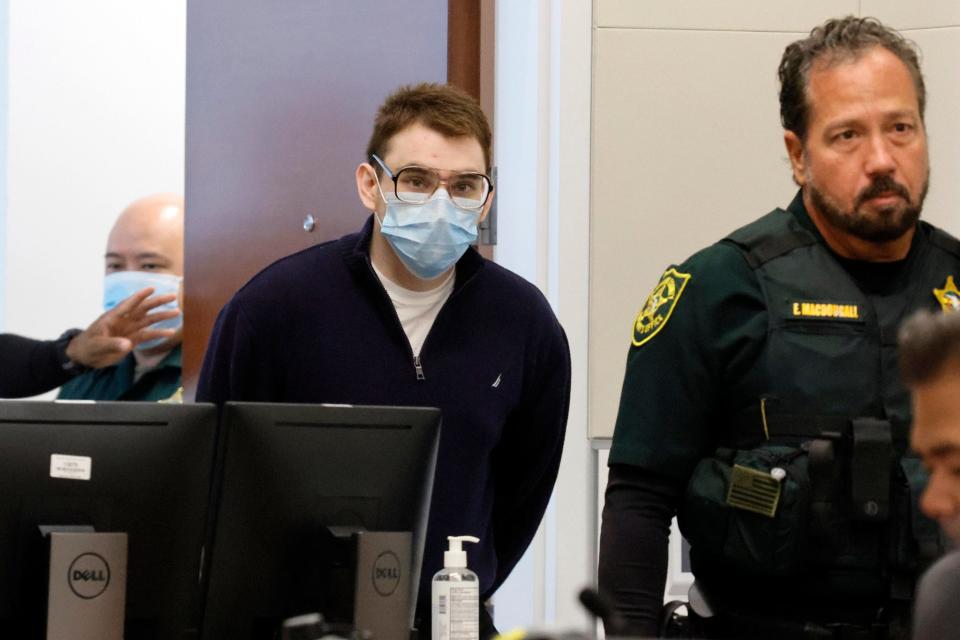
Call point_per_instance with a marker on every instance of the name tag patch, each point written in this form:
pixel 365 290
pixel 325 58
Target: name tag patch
pixel 815 310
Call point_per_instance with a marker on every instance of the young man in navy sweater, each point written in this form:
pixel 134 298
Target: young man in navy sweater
pixel 406 312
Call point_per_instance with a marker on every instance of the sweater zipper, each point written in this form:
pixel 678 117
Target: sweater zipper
pixel 417 363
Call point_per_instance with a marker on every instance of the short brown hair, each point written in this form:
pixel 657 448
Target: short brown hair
pixel 444 108
pixel 928 342
pixel 838 40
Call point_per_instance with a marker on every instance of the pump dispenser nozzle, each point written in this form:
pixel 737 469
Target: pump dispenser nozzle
pixel 455 556
pixel 455 595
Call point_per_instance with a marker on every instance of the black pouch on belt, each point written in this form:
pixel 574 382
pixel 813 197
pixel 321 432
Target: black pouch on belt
pixel 870 469
pixel 825 477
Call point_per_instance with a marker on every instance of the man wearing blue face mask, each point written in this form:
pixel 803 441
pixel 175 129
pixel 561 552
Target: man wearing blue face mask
pixel 406 312
pixel 144 249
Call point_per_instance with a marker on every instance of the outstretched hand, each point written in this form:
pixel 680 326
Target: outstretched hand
pixel 114 334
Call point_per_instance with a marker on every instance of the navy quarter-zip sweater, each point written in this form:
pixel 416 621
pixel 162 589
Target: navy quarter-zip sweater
pixel 317 326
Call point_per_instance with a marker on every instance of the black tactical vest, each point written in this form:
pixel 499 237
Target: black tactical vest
pixel 813 485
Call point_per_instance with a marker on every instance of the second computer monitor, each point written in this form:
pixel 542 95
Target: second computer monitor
pixel 290 472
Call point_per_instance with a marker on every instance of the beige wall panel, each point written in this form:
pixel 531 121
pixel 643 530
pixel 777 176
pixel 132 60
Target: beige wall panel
pixel 910 15
pixel 741 15
pixel 941 54
pixel 687 146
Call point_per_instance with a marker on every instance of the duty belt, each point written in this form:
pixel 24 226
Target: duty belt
pixel 869 444
pixel 759 423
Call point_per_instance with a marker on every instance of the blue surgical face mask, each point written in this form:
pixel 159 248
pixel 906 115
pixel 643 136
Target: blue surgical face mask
pixel 119 286
pixel 428 238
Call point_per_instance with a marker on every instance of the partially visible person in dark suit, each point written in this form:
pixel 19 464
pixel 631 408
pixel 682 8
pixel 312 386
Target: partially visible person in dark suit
pixel 930 361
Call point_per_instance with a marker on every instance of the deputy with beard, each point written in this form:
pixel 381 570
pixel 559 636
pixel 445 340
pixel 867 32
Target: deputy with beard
pixel 762 402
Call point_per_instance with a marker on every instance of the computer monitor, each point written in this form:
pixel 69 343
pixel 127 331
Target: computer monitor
pixel 290 472
pixel 149 475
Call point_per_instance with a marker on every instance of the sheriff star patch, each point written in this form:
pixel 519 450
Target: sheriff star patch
pixel 659 306
pixel 949 296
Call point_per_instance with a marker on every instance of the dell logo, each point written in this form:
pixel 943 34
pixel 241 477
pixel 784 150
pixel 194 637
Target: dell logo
pixel 386 573
pixel 389 573
pixel 88 576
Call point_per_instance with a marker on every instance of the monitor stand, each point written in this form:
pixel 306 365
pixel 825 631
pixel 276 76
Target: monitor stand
pixel 384 584
pixel 87 586
pixel 366 584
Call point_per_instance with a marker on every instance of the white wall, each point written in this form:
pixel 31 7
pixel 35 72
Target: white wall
pixel 542 146
pixel 95 94
pixel 4 39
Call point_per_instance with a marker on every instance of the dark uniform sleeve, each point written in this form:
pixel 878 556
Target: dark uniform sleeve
pixel 636 527
pixel 236 363
pixel 528 456
pixel 672 397
pixel 29 367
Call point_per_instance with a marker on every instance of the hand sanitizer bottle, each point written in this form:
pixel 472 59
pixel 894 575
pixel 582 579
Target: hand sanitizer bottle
pixel 456 595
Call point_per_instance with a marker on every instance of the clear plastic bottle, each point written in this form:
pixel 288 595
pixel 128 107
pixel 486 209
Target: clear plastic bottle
pixel 455 595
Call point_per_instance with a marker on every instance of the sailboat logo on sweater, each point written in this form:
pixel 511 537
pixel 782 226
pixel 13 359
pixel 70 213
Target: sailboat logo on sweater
pixel 496 383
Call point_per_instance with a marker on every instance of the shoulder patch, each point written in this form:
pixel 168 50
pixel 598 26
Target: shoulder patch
pixel 659 306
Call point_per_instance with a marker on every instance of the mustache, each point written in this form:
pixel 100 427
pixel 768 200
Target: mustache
pixel 883 185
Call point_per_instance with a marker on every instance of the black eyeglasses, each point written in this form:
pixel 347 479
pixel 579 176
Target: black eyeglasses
pixel 416 185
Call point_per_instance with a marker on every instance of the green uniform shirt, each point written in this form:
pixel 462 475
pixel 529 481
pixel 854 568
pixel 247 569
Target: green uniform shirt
pixel 695 359
pixel 116 382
